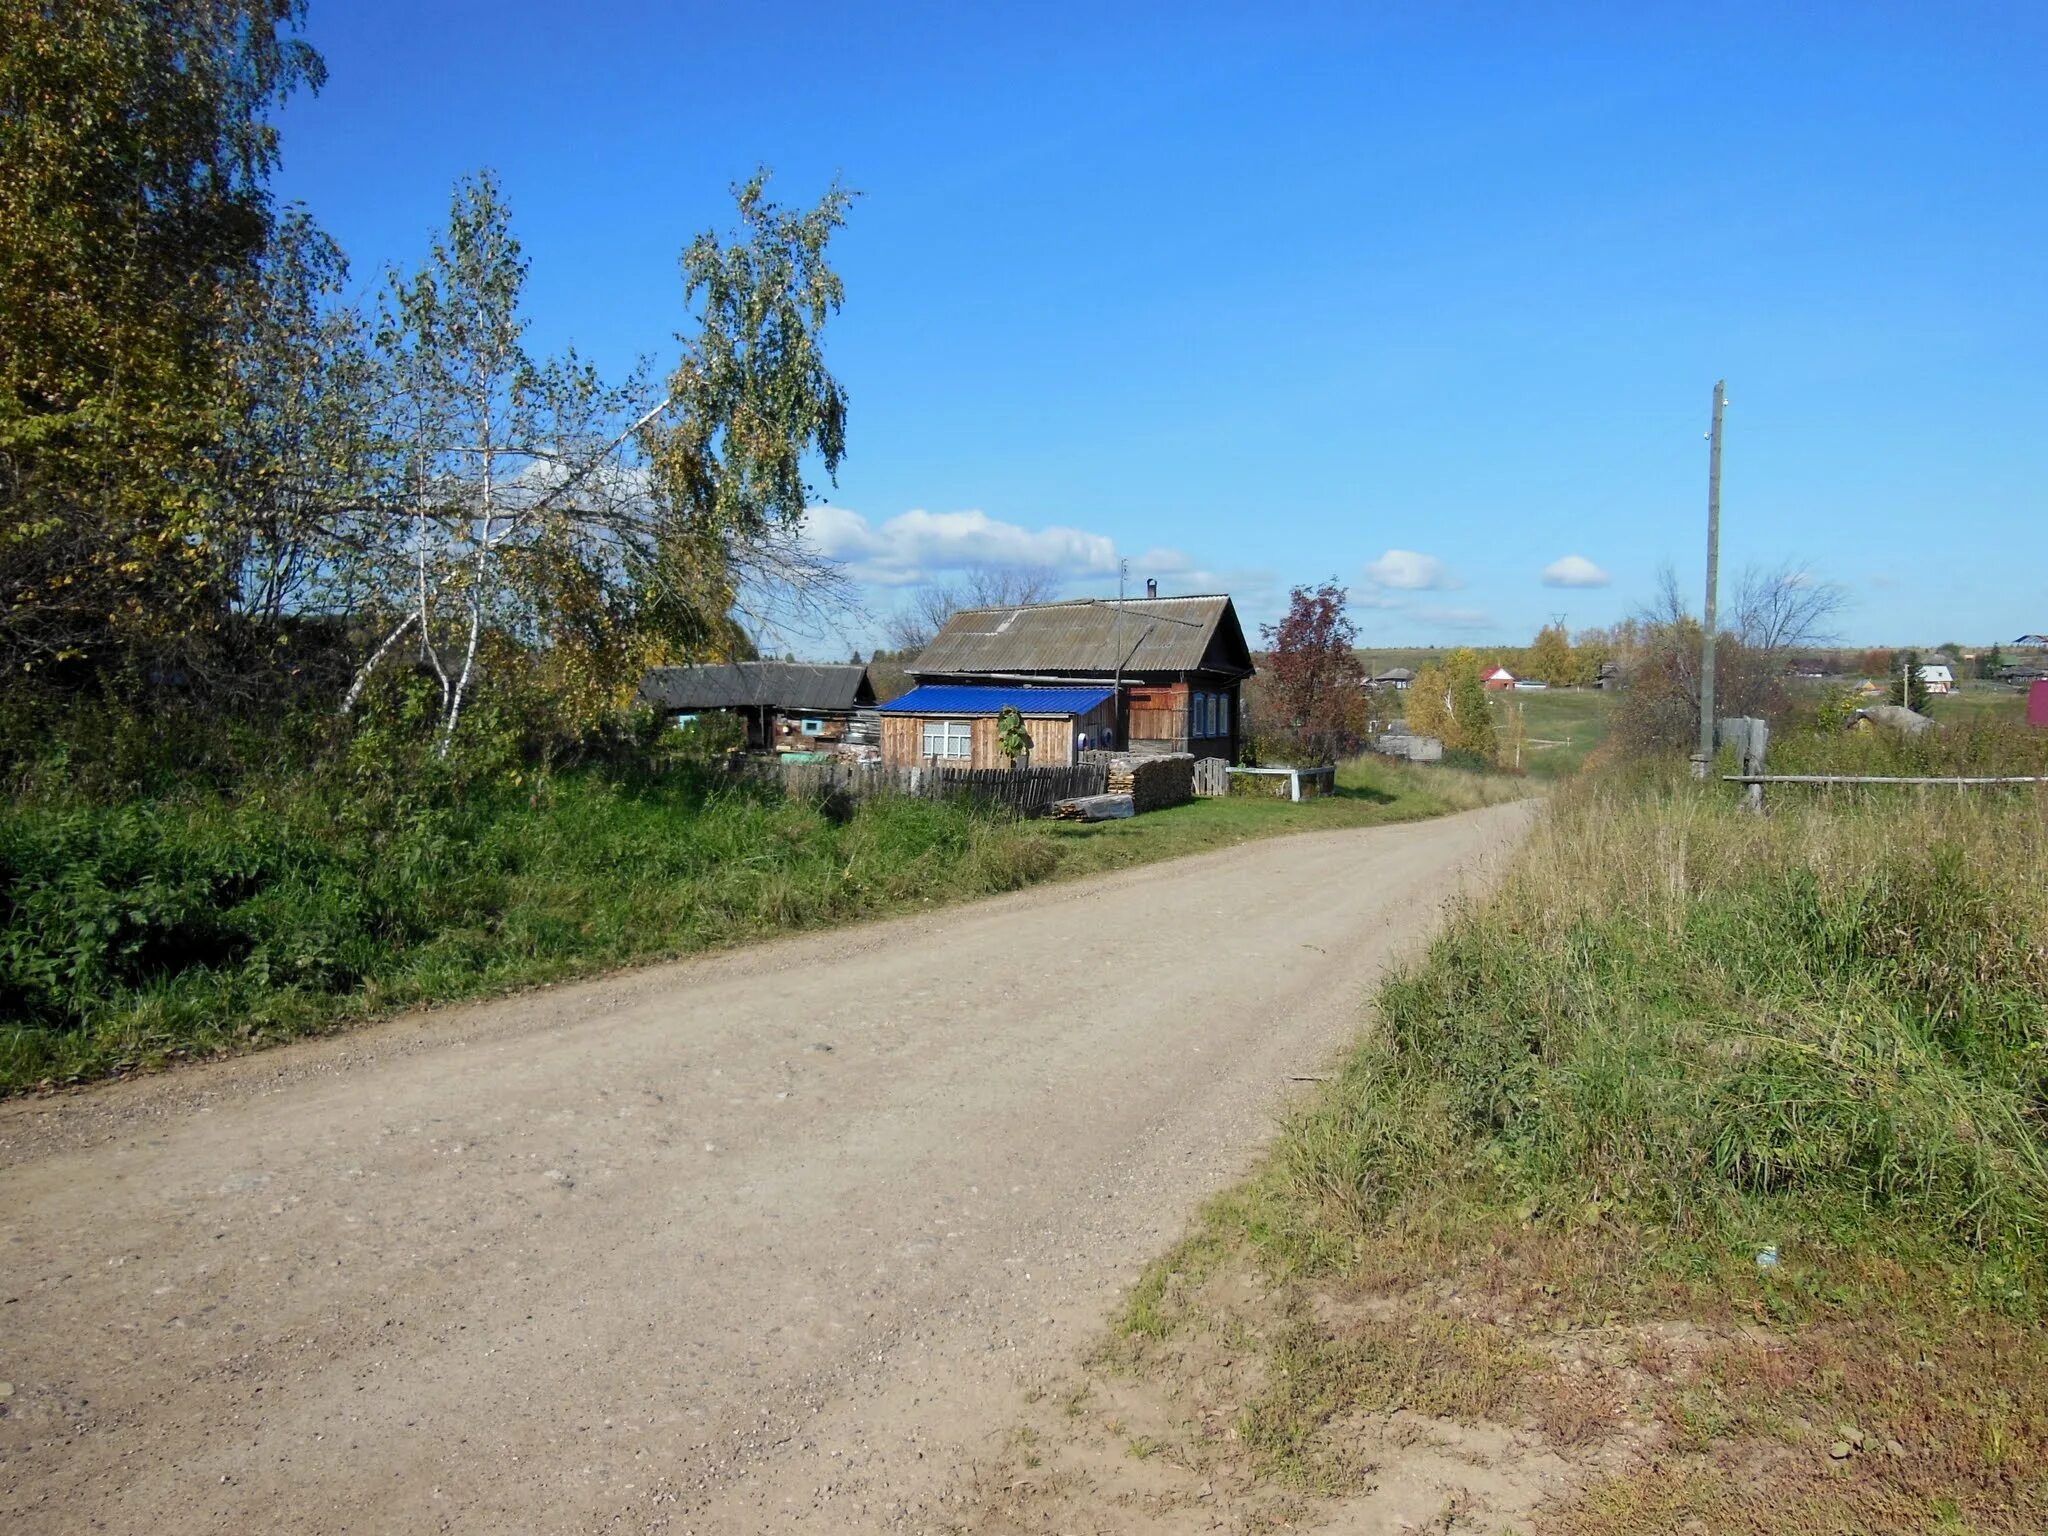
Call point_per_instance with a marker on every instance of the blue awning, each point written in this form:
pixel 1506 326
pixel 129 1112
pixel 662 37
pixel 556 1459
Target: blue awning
pixel 961 699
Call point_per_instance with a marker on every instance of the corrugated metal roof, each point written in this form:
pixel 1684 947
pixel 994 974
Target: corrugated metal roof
pixel 958 699
pixel 756 684
pixel 1151 634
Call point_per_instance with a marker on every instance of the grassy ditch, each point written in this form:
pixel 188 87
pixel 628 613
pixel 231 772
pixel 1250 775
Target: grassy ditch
pixel 189 923
pixel 1711 1149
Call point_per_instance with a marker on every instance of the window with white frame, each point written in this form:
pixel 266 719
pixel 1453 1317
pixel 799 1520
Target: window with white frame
pixel 949 738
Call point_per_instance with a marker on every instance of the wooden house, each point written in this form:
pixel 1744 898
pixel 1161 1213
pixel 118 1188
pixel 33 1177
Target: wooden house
pixel 1498 679
pixel 787 706
pixel 1173 668
pixel 953 725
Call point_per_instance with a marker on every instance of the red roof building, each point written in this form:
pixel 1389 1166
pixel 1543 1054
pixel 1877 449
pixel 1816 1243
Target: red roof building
pixel 1499 678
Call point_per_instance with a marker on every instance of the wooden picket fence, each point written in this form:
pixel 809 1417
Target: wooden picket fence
pixel 1023 791
pixel 1212 777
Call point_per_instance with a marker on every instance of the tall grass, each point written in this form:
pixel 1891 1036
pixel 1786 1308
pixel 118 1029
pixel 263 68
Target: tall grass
pixel 1826 1030
pixel 199 922
pixel 1437 787
pixel 150 916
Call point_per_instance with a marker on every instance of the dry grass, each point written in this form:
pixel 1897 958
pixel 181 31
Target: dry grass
pixel 1535 1196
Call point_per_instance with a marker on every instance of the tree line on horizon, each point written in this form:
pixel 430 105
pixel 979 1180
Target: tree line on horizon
pixel 1315 700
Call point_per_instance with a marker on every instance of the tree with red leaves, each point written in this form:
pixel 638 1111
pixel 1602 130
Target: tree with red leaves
pixel 1317 686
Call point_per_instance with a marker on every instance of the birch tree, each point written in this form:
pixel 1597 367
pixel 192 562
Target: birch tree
pixel 580 529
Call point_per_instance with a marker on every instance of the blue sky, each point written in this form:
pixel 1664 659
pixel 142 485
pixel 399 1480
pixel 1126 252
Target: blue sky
pixel 1428 297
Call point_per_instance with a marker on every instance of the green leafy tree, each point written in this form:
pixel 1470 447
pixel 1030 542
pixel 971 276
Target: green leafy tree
pixel 1428 705
pixel 134 213
pixel 1448 700
pixel 493 541
pixel 1550 657
pixel 559 532
pixel 748 406
pixel 1471 708
pixel 1591 650
pixel 301 457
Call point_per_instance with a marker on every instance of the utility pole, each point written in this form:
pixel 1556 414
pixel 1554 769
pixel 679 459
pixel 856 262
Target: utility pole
pixel 1116 640
pixel 1704 758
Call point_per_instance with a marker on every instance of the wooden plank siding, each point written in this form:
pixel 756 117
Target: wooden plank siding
pixel 1161 715
pixel 1052 738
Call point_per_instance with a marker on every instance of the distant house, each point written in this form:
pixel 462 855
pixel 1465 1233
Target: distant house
pixel 1499 678
pixel 1809 667
pixel 1153 674
pixel 1938 678
pixel 787 706
pixel 1397 678
pixel 1530 684
pixel 1610 676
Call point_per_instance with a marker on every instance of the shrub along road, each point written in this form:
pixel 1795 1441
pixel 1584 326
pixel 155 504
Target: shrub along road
pixel 763 1240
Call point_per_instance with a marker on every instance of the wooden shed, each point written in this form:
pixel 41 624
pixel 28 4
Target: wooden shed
pixel 787 706
pixel 954 725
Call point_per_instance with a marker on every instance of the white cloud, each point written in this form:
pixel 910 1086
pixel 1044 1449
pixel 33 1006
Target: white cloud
pixel 1407 570
pixel 1574 571
pixel 918 546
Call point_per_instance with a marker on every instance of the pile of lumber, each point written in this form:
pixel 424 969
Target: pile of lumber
pixel 1153 783
pixel 1093 808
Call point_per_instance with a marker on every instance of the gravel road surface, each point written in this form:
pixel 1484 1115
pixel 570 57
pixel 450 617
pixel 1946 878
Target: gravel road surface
pixel 761 1241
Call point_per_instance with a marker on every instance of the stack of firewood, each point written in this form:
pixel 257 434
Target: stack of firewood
pixel 1154 783
pixel 1092 808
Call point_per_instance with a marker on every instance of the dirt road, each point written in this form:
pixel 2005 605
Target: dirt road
pixel 762 1241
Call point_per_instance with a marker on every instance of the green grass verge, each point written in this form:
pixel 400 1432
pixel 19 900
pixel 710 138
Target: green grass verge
pixel 200 923
pixel 1564 726
pixel 1370 792
pixel 1679 1037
